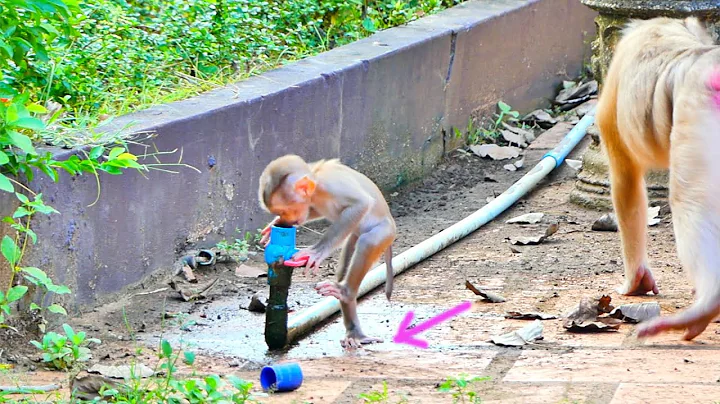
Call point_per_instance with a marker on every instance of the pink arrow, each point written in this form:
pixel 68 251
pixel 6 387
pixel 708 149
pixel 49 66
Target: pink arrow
pixel 407 336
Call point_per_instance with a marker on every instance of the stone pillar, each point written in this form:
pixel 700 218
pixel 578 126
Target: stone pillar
pixel 592 188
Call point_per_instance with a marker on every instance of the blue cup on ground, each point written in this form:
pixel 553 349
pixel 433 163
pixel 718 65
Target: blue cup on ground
pixel 281 377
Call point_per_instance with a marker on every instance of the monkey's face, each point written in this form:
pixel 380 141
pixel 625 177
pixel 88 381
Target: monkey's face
pixel 292 209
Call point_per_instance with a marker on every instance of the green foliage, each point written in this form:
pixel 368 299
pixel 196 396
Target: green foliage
pixel 491 132
pixel 238 249
pixel 65 351
pixel 379 396
pixel 123 55
pixel 170 389
pixel 460 388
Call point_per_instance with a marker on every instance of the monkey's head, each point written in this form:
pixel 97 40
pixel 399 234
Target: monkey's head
pixel 286 189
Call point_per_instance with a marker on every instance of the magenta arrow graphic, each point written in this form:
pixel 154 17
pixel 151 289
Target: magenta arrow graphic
pixel 407 336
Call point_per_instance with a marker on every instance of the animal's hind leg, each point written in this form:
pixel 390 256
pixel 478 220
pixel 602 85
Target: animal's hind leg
pixel 695 202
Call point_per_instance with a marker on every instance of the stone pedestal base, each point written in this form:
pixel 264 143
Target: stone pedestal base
pixel 592 189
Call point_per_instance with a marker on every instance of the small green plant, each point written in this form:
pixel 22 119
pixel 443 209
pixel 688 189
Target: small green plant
pixel 383 396
pixel 459 387
pixel 477 135
pixel 170 389
pixel 239 248
pixel 65 351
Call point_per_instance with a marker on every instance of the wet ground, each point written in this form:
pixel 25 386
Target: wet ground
pixel 551 277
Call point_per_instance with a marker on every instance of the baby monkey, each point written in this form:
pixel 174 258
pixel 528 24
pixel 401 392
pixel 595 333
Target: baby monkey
pixel 298 192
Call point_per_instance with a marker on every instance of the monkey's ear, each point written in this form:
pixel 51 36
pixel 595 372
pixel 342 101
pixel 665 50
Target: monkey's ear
pixel 305 186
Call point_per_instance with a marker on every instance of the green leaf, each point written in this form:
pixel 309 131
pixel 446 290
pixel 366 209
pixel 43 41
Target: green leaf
pixel 5 184
pixel 96 152
pixel 22 198
pixel 10 250
pixel 34 306
pixel 29 123
pixel 36 109
pixel 115 152
pixel 189 357
pixel 36 273
pixel 4 159
pixel 11 114
pixel 20 212
pixel 59 289
pixel 514 114
pixel 368 24
pixel 57 309
pixel 504 107
pixel 16 293
pixel 32 235
pixel 68 330
pixel 166 348
pixel 21 141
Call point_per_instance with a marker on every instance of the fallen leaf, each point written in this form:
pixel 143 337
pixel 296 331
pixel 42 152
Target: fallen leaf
pixel 569 98
pixel 589 309
pixel 126 372
pixel 574 164
pixel 496 152
pixel 520 163
pixel 247 271
pixel 256 305
pixel 583 109
pixel 607 222
pixel 636 312
pixel 88 387
pixel 528 135
pixel 528 218
pixel 528 334
pixel 534 240
pixel 652 213
pixel 487 296
pixel 510 167
pixel 601 324
pixel 540 118
pixel 516 315
pixel 188 274
pixel 513 138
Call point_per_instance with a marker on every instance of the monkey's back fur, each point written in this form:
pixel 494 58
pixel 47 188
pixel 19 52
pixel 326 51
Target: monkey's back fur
pixel 658 65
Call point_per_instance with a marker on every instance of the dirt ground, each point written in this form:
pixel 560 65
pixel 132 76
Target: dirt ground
pixel 551 277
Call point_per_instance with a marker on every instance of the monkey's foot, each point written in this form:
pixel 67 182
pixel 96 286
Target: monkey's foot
pixel 641 285
pixel 333 289
pixel 354 341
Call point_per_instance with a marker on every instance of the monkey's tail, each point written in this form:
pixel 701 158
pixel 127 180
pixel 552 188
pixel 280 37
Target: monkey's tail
pixel 390 276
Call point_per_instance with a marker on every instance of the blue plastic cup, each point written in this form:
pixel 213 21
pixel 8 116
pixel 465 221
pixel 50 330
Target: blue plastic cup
pixel 281 377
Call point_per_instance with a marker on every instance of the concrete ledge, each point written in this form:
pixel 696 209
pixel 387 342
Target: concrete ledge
pixel 385 105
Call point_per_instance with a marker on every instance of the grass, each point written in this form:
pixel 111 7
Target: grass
pixel 129 55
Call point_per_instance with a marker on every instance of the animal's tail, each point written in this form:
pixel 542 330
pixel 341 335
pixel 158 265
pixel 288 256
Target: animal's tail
pixel 390 273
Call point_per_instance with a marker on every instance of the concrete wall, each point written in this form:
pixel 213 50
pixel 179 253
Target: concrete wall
pixel 383 105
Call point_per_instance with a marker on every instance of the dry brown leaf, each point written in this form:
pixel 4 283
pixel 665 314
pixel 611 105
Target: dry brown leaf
pixel 516 315
pixel 528 135
pixel 636 312
pixel 496 152
pixel 487 296
pixel 529 333
pixel 601 324
pixel 247 271
pixel 528 218
pixel 513 138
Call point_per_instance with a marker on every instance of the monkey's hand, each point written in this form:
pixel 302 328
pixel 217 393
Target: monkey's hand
pixel 315 258
pixel 265 240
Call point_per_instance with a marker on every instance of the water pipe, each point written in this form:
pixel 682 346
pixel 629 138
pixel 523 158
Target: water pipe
pixel 278 257
pixel 303 321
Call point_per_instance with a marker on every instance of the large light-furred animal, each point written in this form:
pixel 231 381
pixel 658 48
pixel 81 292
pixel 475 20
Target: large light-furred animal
pixel 660 108
pixel 299 192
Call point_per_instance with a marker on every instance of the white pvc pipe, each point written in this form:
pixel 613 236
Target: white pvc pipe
pixel 306 319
